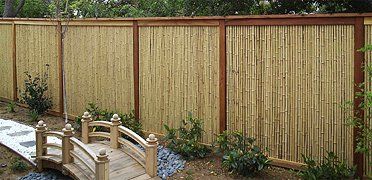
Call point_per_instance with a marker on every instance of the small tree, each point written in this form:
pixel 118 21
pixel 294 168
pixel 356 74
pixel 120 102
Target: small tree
pixel 34 94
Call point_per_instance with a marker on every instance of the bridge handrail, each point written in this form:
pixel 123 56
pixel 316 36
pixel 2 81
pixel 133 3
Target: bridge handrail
pixel 101 123
pixel 86 150
pixel 133 135
pixel 54 134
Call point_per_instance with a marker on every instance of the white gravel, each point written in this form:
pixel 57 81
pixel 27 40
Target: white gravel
pixel 20 137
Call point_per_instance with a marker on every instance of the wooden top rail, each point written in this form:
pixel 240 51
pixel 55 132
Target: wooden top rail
pixel 54 134
pixel 85 149
pixel 100 123
pixel 134 136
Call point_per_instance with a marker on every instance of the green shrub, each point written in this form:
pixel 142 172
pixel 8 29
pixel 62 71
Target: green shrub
pixel 34 94
pixel 11 107
pixel 330 168
pixel 240 155
pixel 18 165
pixel 98 114
pixel 189 134
pixel 33 115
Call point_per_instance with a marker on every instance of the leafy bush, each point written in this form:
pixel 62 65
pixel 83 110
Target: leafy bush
pixel 35 93
pixel 33 115
pixel 240 155
pixel 330 168
pixel 190 134
pixel 127 120
pixel 18 165
pixel 11 107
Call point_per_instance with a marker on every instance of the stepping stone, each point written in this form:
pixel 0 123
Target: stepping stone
pixel 20 133
pixel 28 143
pixel 5 127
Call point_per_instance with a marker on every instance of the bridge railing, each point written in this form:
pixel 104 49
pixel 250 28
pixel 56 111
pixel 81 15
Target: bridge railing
pixel 147 158
pixel 72 150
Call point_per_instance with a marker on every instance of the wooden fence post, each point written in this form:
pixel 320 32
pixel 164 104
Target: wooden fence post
pixel 358 158
pixel 136 68
pixel 85 129
pixel 60 67
pixel 114 132
pixel 40 140
pixel 222 79
pixel 151 156
pixel 66 144
pixel 102 165
pixel 14 56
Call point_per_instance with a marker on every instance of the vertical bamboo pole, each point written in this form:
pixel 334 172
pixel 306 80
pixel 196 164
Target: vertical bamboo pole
pixel 222 82
pixel 358 159
pixel 60 68
pixel 136 68
pixel 14 56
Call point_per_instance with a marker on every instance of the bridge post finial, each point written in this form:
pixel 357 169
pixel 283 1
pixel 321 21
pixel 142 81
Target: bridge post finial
pixel 102 165
pixel 114 131
pixel 68 132
pixel 86 119
pixel 40 140
pixel 151 155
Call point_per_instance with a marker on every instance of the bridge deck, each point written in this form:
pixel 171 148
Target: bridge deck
pixel 122 166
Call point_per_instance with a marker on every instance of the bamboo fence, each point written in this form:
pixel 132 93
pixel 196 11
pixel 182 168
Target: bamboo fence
pixel 280 79
pixel 6 61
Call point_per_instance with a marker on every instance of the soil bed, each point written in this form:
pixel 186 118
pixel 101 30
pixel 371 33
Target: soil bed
pixel 210 168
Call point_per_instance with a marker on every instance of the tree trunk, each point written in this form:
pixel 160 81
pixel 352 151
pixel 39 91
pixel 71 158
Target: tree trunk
pixel 9 10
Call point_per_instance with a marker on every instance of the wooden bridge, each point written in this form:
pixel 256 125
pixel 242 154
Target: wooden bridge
pixel 95 157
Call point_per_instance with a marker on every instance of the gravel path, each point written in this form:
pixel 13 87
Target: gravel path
pixel 20 138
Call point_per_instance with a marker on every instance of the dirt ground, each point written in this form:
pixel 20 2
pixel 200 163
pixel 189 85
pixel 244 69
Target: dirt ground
pixel 21 115
pixel 210 168
pixel 7 156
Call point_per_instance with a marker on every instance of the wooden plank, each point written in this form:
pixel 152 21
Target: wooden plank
pixel 38 22
pixel 294 21
pixel 286 164
pixel 222 74
pixel 368 21
pixel 97 22
pixel 358 159
pixel 14 56
pixel 179 22
pixel 136 68
pixel 60 67
pixel 142 177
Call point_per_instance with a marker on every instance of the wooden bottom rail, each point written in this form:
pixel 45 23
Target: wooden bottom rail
pixel 77 156
pixel 100 135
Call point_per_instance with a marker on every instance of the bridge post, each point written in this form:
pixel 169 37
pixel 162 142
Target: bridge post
pixel 102 165
pixel 87 118
pixel 40 140
pixel 152 155
pixel 66 144
pixel 114 132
